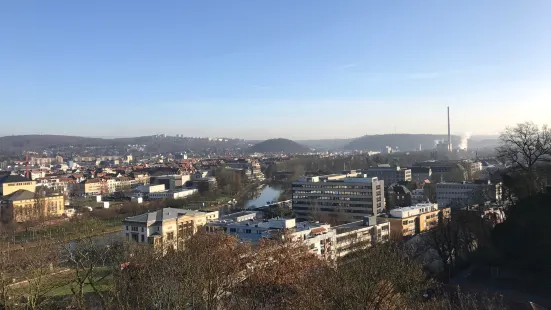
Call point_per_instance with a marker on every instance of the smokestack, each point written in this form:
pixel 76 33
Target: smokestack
pixel 449 132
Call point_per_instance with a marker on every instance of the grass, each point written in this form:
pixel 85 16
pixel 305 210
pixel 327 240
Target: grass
pixel 66 231
pixel 102 286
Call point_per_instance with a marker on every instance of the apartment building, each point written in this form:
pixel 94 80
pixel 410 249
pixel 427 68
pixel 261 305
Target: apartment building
pixel 409 221
pixel 337 198
pixel 90 187
pixel 462 194
pixel 360 235
pixel 166 228
pixel 389 174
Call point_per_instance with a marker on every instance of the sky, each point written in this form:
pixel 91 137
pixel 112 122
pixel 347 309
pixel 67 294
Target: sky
pixel 254 69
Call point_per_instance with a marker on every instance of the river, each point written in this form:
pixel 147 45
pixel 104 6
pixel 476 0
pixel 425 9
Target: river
pixel 259 197
pixel 262 196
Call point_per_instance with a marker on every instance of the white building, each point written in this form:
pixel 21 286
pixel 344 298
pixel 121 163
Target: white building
pixel 317 237
pixel 172 194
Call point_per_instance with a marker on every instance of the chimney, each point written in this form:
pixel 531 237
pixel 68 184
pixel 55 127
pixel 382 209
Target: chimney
pixel 449 132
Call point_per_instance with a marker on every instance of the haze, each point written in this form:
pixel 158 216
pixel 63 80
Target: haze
pixel 262 69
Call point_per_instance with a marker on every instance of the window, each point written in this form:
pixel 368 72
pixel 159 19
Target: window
pixel 170 236
pixel 143 238
pixel 143 229
pixel 134 228
pixel 232 230
pixel 247 231
pixel 126 227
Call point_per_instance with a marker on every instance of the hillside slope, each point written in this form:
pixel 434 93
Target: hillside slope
pixel 278 146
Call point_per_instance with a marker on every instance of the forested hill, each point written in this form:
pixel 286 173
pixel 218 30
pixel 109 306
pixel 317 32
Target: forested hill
pixel 278 146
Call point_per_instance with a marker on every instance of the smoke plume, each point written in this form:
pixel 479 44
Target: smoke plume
pixel 464 141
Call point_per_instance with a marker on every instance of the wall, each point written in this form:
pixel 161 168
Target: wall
pixel 9 188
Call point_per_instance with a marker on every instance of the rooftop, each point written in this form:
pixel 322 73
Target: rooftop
pixel 13 179
pixel 164 214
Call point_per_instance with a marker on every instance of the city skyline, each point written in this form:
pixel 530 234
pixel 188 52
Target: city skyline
pixel 307 70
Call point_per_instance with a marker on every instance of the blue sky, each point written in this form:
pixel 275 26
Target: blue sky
pixel 260 69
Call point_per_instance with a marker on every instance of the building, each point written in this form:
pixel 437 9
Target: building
pixel 462 194
pixel 91 187
pixel 172 194
pixel 445 169
pixel 421 174
pixel 20 202
pixel 397 196
pixel 171 182
pixel 12 183
pixel 147 189
pixel 418 196
pixel 166 228
pixel 24 205
pixel 337 198
pixel 389 174
pixel 360 235
pixel 409 221
pixel 318 238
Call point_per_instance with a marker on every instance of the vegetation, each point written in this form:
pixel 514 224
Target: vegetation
pixel 278 146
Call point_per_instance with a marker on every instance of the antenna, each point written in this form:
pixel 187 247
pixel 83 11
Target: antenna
pixel 449 132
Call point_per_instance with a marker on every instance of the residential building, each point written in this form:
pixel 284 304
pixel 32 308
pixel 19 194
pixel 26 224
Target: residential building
pixel 397 196
pixel 360 235
pixel 166 228
pixel 172 194
pixel 12 183
pixel 389 174
pixel 462 194
pixel 91 187
pixel 409 221
pixel 337 198
pixel 421 174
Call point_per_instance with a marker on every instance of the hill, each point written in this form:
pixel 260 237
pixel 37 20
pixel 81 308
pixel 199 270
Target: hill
pixel 278 146
pixel 325 144
pixel 404 142
pixel 153 144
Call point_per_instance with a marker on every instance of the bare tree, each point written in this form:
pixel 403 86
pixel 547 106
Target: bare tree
pixel 524 147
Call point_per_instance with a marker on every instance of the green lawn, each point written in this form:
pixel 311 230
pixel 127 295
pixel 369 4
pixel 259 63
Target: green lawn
pixel 104 285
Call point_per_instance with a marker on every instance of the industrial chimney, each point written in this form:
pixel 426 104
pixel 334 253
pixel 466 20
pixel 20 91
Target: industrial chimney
pixel 449 133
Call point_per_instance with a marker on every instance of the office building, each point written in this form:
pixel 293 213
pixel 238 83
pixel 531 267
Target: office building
pixel 337 198
pixel 318 238
pixel 462 194
pixel 389 174
pixel 409 221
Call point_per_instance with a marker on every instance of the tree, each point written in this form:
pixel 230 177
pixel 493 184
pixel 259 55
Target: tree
pixel 523 147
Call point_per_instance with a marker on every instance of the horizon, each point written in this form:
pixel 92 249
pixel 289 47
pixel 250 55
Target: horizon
pixel 483 136
pixel 305 70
